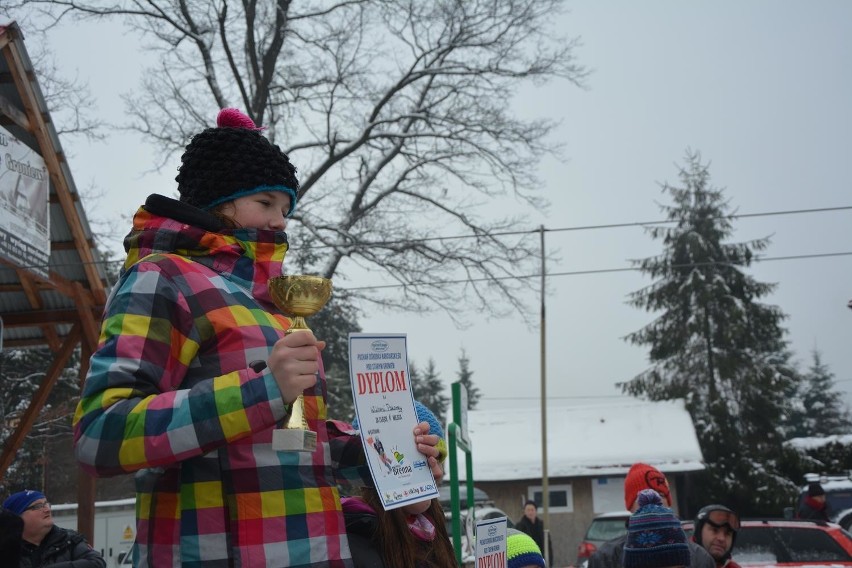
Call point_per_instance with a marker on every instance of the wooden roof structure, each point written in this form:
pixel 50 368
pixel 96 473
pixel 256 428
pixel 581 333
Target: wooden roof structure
pixel 58 306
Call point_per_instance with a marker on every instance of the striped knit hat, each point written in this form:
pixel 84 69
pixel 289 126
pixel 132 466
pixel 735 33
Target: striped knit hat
pixel 655 538
pixel 522 551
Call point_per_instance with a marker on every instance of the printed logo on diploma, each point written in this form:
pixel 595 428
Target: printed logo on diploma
pixel 384 405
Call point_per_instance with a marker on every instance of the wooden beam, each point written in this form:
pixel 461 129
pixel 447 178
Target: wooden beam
pixel 27 343
pixel 19 288
pixel 10 110
pixel 30 289
pixel 68 245
pixel 9 33
pixel 54 199
pixel 13 444
pixel 91 330
pixel 36 318
pixel 54 280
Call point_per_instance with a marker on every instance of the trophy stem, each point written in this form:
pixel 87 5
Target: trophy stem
pixel 297 420
pixel 297 415
pixel 296 435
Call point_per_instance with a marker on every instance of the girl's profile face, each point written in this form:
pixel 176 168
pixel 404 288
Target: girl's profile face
pixel 264 210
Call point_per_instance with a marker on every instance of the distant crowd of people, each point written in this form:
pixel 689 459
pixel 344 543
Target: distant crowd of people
pixel 655 537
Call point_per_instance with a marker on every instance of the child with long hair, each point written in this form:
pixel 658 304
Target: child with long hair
pixel 413 536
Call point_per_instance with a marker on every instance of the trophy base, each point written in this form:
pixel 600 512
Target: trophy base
pixel 294 440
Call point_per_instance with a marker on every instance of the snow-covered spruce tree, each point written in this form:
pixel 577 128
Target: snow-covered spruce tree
pixel 715 345
pixel 822 412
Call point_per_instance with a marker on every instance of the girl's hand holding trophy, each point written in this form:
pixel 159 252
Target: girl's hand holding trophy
pixel 294 361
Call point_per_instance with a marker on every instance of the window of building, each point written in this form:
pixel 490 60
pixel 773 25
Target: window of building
pixel 561 497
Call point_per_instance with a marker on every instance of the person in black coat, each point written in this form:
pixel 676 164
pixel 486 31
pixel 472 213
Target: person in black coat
pixel 42 543
pixel 813 506
pixel 11 529
pixel 534 527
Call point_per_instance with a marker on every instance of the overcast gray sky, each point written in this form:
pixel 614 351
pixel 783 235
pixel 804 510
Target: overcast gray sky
pixel 761 88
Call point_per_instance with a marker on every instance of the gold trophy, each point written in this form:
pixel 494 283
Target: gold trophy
pixel 298 297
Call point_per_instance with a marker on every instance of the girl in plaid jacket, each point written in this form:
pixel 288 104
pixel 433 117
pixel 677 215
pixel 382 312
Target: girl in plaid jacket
pixel 193 372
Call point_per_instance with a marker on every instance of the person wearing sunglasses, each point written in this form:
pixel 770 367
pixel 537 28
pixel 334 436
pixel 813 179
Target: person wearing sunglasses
pixel 42 542
pixel 716 529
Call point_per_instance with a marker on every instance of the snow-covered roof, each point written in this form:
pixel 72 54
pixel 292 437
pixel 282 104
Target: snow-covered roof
pixel 582 441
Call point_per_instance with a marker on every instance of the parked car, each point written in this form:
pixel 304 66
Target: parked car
pixel 604 527
pixel 769 543
pixel 838 496
pixel 480 497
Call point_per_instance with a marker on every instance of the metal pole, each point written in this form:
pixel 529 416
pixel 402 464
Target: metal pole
pixel 545 491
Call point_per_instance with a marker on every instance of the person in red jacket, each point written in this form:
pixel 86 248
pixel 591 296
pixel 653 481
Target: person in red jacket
pixel 813 506
pixel 716 529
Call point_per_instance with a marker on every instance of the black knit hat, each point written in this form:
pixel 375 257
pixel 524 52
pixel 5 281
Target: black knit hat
pixel 815 490
pixel 655 538
pixel 233 160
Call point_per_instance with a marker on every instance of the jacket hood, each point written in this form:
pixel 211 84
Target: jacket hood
pixel 248 257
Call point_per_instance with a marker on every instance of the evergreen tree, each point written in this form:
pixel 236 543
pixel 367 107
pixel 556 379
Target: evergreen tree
pixel 715 345
pixel 821 411
pixel 464 375
pixel 429 389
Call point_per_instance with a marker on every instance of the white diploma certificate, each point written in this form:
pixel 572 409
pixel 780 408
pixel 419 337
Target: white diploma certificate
pixel 384 405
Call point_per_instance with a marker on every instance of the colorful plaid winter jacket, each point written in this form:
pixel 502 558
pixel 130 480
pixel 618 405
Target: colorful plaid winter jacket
pixel 170 395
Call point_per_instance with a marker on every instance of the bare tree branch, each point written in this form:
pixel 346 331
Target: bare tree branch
pixel 398 112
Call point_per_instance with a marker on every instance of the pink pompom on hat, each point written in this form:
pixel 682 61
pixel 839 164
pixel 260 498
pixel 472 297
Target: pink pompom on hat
pixel 235 118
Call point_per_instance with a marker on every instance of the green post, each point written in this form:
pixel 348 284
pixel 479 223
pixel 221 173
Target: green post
pixel 458 438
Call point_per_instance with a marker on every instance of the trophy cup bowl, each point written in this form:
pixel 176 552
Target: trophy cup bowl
pixel 298 296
